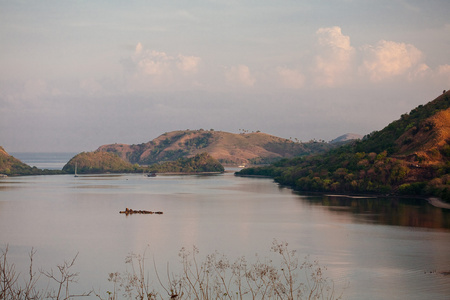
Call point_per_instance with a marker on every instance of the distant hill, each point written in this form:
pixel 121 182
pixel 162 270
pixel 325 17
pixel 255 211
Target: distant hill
pixel 410 156
pixel 10 165
pixel 227 148
pixel 346 138
pixel 98 162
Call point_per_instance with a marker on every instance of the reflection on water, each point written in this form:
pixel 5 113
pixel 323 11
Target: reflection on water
pixel 354 238
pixel 389 211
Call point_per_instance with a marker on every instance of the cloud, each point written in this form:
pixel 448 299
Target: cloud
pixel 291 78
pixel 443 70
pixel 148 68
pixel 240 75
pixel 387 59
pixel 420 72
pixel 188 63
pixel 443 74
pixel 335 57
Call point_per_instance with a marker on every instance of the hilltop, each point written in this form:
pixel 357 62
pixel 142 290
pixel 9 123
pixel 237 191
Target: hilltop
pixel 410 156
pixel 346 137
pixel 227 148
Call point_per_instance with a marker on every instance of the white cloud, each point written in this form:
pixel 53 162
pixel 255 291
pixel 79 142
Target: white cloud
pixel 188 63
pixel 443 70
pixel 138 50
pixel 420 72
pixel 240 75
pixel 443 73
pixel 291 78
pixel 387 59
pixel 151 69
pixel 334 60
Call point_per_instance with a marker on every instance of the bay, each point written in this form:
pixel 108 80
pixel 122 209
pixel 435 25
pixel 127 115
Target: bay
pixel 372 248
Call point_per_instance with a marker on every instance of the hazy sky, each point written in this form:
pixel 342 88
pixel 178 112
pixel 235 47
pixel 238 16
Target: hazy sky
pixel 75 75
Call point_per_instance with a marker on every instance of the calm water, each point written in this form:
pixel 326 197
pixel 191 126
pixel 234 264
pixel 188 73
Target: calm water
pixel 45 160
pixel 377 248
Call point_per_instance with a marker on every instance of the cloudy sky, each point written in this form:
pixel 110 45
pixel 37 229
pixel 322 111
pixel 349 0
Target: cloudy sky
pixel 75 75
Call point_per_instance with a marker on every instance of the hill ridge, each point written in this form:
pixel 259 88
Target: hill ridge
pixel 228 148
pixel 410 156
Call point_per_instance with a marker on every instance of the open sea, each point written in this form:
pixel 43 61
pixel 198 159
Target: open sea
pixel 372 248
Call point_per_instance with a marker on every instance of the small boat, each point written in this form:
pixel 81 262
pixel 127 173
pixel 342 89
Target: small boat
pixel 151 175
pixel 76 175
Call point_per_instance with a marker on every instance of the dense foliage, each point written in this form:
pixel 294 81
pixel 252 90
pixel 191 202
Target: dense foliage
pixel 105 162
pixel 373 165
pixel 200 163
pixel 98 162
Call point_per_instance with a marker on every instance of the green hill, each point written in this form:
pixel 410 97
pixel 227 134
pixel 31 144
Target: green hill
pixel 104 162
pixel 410 156
pixel 98 162
pixel 200 163
pixel 11 166
pixel 227 148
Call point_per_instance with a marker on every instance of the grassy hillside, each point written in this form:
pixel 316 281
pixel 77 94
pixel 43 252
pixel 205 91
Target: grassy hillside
pixel 200 163
pixel 98 162
pixel 11 166
pixel 228 148
pixel 104 162
pixel 410 156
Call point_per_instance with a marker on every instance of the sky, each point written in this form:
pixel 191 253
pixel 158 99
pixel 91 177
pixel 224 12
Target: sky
pixel 75 75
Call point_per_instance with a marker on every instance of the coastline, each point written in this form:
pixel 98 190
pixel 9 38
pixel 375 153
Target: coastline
pixel 436 202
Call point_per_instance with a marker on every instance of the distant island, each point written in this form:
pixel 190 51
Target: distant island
pixel 410 156
pixel 98 162
pixel 172 151
pixel 246 148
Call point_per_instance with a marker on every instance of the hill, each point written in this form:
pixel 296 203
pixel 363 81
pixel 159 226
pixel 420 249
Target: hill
pixel 105 162
pixel 200 163
pixel 98 162
pixel 410 156
pixel 227 148
pixel 12 166
pixel 346 137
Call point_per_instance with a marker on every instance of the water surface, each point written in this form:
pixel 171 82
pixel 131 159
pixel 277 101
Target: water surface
pixel 377 248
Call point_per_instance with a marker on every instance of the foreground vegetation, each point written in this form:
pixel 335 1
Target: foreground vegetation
pixel 213 278
pixel 411 156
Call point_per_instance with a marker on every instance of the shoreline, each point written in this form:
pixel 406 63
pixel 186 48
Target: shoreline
pixel 436 202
